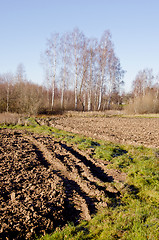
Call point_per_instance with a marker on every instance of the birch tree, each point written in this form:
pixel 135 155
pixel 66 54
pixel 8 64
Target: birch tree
pixel 51 54
pixel 77 46
pixel 103 50
pixel 20 79
pixel 84 74
pixel 92 47
pixel 116 74
pixel 65 60
pixel 143 81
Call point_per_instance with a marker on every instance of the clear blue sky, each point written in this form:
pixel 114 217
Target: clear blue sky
pixel 26 24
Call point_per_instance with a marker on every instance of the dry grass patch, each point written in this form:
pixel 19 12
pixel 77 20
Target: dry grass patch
pixel 9 118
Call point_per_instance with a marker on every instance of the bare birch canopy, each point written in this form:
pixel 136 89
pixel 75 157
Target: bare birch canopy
pixel 87 67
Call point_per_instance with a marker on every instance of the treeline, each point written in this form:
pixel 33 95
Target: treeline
pixel 19 95
pixel 86 71
pixel 145 93
pixel 81 74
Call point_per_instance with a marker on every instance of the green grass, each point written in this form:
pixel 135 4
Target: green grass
pixel 132 221
pixel 136 216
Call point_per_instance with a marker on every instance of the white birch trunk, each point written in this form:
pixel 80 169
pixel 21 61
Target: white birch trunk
pixel 100 90
pixel 76 77
pixel 54 74
pixel 100 97
pixel 90 86
pixel 62 95
pixel 53 94
pixel 95 98
pixel 63 88
pixel 84 101
pixel 89 100
pixel 53 84
pixel 64 77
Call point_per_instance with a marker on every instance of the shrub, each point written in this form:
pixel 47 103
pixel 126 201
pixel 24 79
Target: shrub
pixel 9 118
pixel 143 104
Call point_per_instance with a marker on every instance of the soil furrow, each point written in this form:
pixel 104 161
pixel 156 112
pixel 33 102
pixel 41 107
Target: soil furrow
pixel 70 178
pixel 95 170
pixel 89 183
pixel 127 130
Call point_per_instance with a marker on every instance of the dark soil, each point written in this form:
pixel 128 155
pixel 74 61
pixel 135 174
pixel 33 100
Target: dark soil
pixel 135 131
pixel 45 183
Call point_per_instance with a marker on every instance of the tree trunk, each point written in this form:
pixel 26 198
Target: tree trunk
pixel 76 90
pixel 89 99
pixel 76 77
pixel 90 85
pixel 100 91
pixel 7 109
pixel 53 84
pixel 63 89
pixel 100 98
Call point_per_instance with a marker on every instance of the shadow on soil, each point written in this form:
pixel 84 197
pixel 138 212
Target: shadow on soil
pixel 96 171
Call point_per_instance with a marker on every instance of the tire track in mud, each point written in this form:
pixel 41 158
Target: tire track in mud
pixel 79 173
pixel 55 161
pixel 69 177
pixel 58 182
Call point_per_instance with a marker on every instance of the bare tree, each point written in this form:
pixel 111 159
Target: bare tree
pixel 84 74
pixel 77 46
pixel 143 81
pixel 65 60
pixel 104 48
pixel 92 59
pixel 116 74
pixel 20 73
pixel 157 86
pixel 51 54
pixel 20 90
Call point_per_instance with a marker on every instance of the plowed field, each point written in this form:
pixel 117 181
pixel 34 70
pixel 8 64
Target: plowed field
pixel 45 183
pixel 136 131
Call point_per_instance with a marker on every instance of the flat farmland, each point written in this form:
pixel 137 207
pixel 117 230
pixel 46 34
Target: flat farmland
pixel 124 130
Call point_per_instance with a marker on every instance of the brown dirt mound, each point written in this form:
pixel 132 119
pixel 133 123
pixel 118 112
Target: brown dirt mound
pixel 45 184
